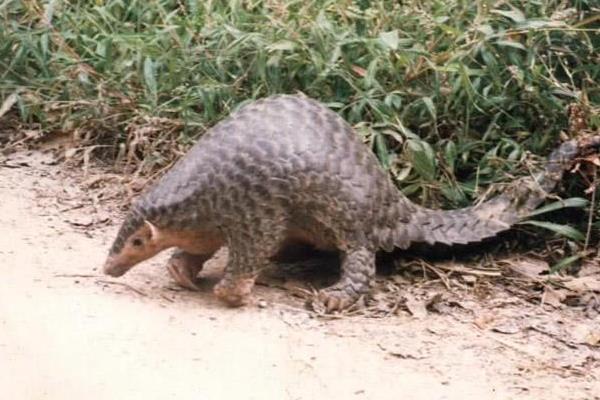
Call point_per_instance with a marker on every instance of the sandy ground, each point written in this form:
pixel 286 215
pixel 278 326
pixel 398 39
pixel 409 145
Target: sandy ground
pixel 67 332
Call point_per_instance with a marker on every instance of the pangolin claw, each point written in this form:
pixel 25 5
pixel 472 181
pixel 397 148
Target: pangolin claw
pixel 234 292
pixel 331 300
pixel 184 269
pixel 182 276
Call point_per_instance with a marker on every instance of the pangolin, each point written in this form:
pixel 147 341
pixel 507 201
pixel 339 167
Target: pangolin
pixel 288 168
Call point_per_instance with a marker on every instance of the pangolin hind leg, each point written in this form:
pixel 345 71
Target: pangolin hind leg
pixel 184 267
pixel 249 254
pixel 358 268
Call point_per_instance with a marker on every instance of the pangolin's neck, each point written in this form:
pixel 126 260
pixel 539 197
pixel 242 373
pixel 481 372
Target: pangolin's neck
pixel 185 216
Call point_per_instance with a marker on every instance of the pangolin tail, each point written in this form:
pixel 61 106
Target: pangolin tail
pixel 500 213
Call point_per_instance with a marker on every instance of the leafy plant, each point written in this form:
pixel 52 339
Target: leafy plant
pixel 466 88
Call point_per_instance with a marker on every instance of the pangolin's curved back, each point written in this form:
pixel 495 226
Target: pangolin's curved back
pixel 285 148
pixel 293 152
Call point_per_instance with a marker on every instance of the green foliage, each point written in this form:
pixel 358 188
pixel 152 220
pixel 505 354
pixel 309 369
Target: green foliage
pixel 565 263
pixel 563 230
pixel 575 202
pixel 464 86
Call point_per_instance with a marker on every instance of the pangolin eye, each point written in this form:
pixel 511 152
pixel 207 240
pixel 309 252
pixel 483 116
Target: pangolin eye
pixel 137 242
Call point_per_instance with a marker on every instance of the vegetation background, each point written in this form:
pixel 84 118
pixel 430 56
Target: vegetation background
pixel 452 95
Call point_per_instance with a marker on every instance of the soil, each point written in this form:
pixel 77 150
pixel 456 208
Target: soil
pixel 67 331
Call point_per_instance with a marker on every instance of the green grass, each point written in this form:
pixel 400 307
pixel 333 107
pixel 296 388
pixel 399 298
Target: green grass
pixel 450 94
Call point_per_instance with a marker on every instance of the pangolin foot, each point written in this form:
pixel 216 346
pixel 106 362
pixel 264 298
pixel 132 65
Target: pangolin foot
pixel 234 293
pixel 333 299
pixel 184 268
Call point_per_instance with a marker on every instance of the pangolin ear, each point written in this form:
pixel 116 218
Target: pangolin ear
pixel 153 230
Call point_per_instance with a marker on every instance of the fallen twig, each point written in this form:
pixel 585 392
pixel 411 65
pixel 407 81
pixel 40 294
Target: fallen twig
pixel 590 221
pixel 75 276
pixel 443 277
pixel 138 291
pixel 170 300
pixel 470 271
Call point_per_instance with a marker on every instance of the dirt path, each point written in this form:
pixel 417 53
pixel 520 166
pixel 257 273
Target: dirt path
pixel 65 336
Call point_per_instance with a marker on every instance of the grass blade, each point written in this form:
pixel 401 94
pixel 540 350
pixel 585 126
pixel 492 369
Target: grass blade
pixel 563 230
pixel 573 202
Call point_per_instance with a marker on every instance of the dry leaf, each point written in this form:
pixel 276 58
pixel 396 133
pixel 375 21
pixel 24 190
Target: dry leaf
pixel 406 349
pixel 8 103
pixel 83 220
pixel 585 334
pixel 359 71
pixel 70 153
pixel 554 297
pixel 529 268
pixel 483 321
pixel 583 284
pixel 508 327
pixel 32 133
pixel 417 308
pixel 439 304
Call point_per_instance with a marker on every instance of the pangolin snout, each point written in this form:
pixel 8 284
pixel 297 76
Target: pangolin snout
pixel 114 268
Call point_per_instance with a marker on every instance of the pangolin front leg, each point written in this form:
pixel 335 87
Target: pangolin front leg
pixel 184 267
pixel 249 254
pixel 358 269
